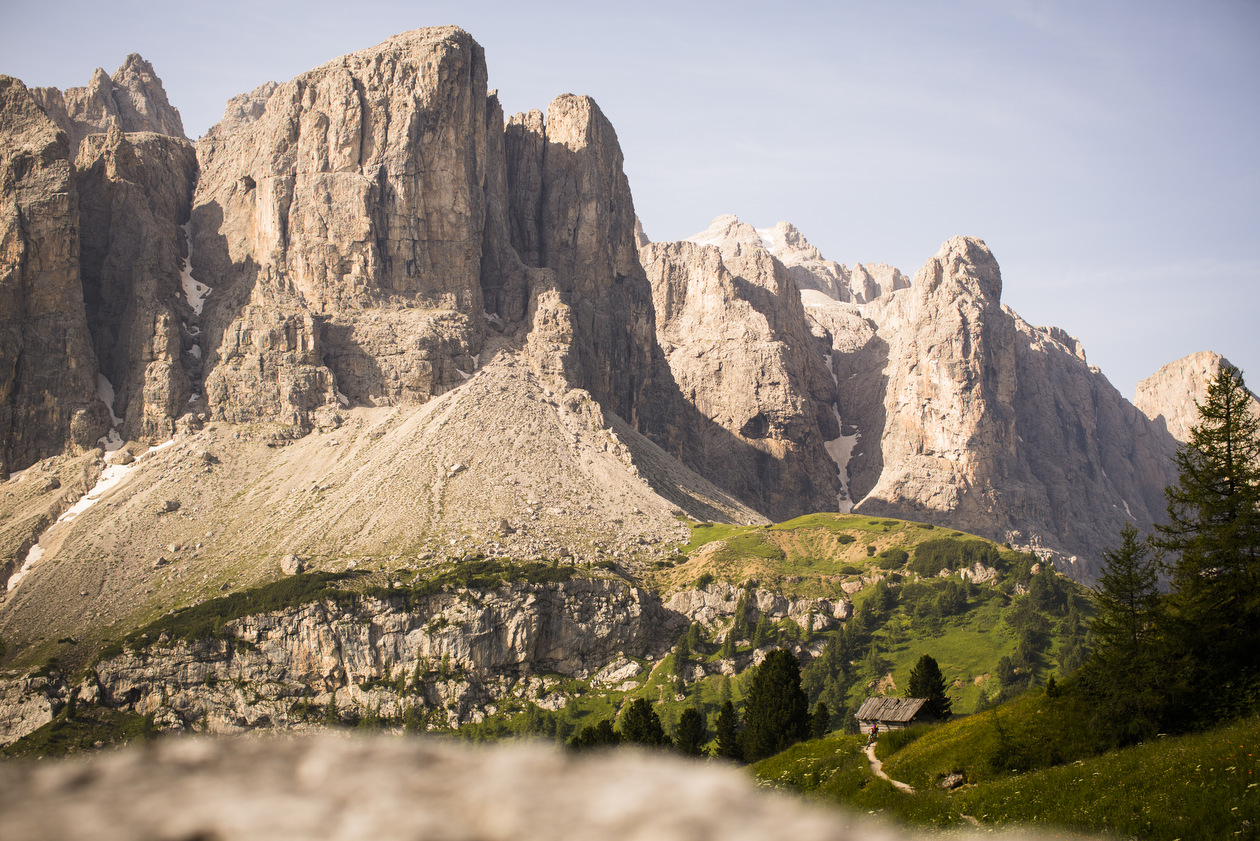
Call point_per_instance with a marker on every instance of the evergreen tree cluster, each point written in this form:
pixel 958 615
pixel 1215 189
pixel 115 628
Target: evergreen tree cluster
pixel 1165 662
pixel 776 715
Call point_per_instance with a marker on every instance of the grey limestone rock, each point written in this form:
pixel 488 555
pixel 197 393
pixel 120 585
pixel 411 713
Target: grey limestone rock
pixel 243 109
pixel 133 99
pixel 134 190
pixel 989 424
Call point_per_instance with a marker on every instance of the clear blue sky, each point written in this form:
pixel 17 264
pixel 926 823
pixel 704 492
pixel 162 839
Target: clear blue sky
pixel 1107 152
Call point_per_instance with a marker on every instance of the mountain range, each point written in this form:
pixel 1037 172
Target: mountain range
pixel 370 321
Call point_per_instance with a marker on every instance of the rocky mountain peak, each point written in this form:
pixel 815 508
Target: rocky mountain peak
pixel 243 109
pixel 729 235
pixel 133 97
pixel 1172 395
pixel 964 262
pixel 806 265
pixel 141 99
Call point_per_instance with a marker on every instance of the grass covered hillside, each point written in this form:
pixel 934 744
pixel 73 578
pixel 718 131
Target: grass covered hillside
pixel 1027 763
pixel 995 620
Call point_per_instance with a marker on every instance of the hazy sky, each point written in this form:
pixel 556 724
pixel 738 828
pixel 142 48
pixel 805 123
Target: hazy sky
pixel 1107 152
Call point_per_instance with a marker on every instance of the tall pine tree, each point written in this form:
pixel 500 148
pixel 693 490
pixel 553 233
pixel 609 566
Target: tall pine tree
pixel 1213 537
pixel 727 735
pixel 776 712
pixel 927 681
pixel 692 733
pixel 1129 675
pixel 641 725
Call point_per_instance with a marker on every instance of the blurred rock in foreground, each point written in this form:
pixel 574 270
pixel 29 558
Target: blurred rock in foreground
pixel 331 786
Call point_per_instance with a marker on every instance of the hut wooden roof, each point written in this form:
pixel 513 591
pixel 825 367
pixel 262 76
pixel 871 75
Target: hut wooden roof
pixel 900 710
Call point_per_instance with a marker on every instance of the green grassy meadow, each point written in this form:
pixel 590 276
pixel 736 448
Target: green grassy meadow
pixel 1198 786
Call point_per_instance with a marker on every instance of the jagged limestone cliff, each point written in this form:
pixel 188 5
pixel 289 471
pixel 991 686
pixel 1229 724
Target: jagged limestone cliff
pixel 456 655
pixel 757 393
pixel 48 395
pixel 969 416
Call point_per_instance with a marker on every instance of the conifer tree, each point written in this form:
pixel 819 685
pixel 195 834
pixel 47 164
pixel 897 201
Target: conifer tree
pixel 728 645
pixel 1213 539
pixel 682 655
pixel 412 722
pixel 739 625
pixel 692 733
pixel 819 721
pixel 776 712
pixel 1130 670
pixel 763 631
pixel 641 725
pixel 927 681
pixel 829 676
pixel 598 735
pixel 727 727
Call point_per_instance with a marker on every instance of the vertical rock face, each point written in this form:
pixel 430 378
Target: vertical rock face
pixel 1171 396
pixel 1095 461
pixel 525 145
pixel 344 229
pixel 134 190
pixel 731 326
pixel 243 109
pixel 948 443
pixel 572 213
pixel 363 223
pixel 48 400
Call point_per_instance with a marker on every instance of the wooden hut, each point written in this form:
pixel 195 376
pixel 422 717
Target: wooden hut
pixel 893 713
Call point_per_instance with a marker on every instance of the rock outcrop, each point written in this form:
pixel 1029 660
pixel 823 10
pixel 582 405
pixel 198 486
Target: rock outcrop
pixel 48 398
pixel 949 441
pixel 243 109
pixel 572 213
pixel 367 223
pixel 134 191
pixel 1172 395
pixel 733 332
pixel 812 271
pixel 342 229
pixel 987 423
pixel 457 654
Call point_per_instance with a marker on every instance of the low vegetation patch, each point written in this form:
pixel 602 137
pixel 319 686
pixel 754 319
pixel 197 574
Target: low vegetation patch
pixel 88 728
pixel 206 620
pixel 932 556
